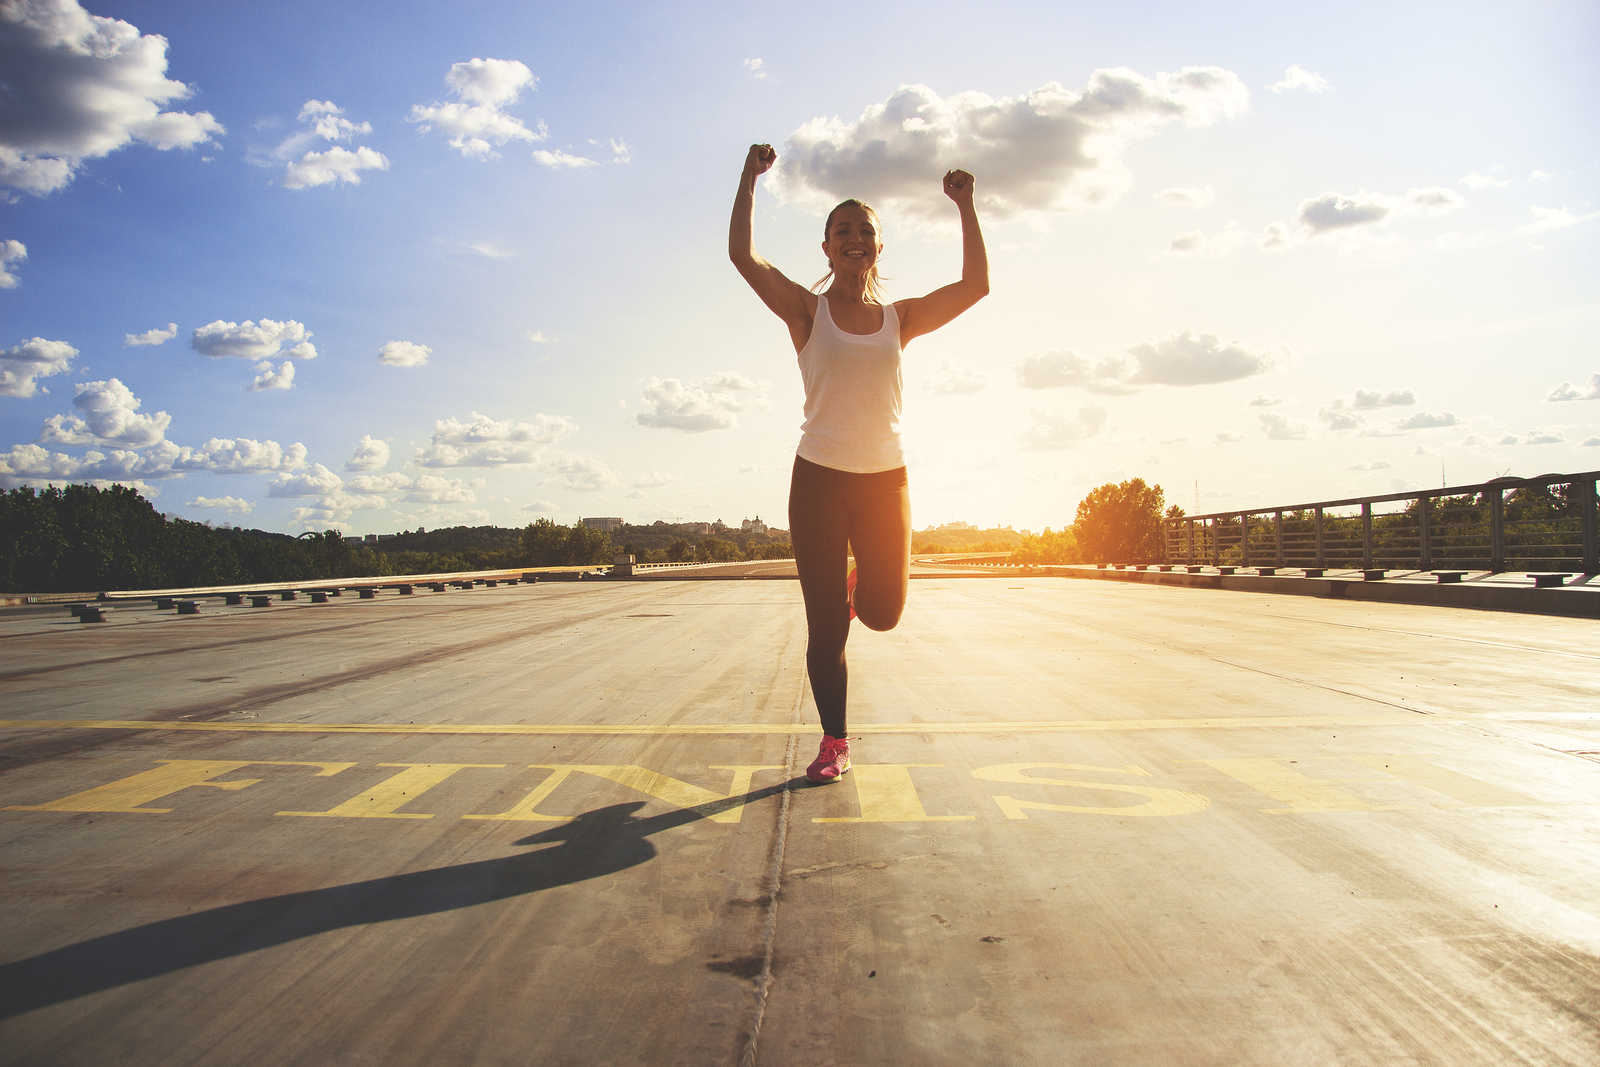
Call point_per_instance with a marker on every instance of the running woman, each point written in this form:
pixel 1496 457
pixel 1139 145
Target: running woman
pixel 848 493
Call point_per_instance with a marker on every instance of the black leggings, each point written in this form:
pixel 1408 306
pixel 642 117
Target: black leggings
pixel 833 513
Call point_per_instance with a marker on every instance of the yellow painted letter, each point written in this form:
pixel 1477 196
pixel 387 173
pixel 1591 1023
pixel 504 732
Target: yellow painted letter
pixel 1157 801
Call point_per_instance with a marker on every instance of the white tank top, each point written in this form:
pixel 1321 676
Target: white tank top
pixel 853 388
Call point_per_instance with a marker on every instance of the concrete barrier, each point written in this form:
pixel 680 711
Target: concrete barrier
pixel 367 592
pixel 188 607
pixel 261 601
pixel 319 596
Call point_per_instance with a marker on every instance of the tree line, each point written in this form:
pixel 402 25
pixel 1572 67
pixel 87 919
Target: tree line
pixel 83 538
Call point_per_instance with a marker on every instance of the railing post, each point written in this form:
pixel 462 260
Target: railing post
pixel 1366 535
pixel 1188 557
pixel 1320 561
pixel 1587 506
pixel 1278 525
pixel 1244 540
pixel 1216 543
pixel 1497 530
pixel 1424 534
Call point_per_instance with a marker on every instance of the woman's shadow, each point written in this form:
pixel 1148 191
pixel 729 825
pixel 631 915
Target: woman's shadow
pixel 593 845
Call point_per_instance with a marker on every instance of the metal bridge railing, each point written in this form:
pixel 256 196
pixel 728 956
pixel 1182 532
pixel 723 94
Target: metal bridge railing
pixel 1551 522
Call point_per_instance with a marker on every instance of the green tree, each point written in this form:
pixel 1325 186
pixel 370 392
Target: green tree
pixel 680 551
pixel 543 543
pixel 585 545
pixel 1120 522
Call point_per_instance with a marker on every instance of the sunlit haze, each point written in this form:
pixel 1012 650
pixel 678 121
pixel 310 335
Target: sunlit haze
pixel 374 267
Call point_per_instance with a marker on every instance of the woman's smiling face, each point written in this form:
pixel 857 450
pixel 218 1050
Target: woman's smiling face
pixel 853 244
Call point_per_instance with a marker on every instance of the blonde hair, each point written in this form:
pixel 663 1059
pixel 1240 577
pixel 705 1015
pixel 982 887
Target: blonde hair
pixel 874 280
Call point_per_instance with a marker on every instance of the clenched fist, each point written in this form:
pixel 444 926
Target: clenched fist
pixel 957 185
pixel 761 157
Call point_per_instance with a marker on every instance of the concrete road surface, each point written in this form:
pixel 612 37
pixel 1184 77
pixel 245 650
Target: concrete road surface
pixel 1088 823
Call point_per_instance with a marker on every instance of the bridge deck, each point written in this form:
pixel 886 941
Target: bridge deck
pixel 1089 823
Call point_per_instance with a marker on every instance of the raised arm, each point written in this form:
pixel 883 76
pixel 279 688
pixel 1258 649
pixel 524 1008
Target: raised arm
pixel 787 299
pixel 921 315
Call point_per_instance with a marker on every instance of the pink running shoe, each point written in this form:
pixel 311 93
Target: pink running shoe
pixel 833 759
pixel 850 591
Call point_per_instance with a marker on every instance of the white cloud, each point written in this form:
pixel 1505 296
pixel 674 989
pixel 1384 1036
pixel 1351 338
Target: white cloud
pixel 951 380
pixel 157 336
pixel 1189 358
pixel 1187 241
pixel 620 152
pixel 1179 197
pixel 1546 219
pixel 110 416
pixel 336 164
pixel 559 158
pixel 378 483
pixel 251 340
pixel 1056 430
pixel 231 505
pixel 1276 235
pixel 318 481
pixel 538 338
pixel 757 68
pixel 79 86
pixel 1535 436
pixel 476 123
pixel 490 250
pixel 1338 419
pixel 542 507
pixel 21 365
pixel 1227 437
pixel 33 465
pixel 404 354
pixel 1195 242
pixel 702 405
pixel 267 378
pixel 1592 442
pixel 223 455
pixel 324 121
pixel 1181 359
pixel 486 443
pixel 1427 420
pixel 1479 180
pixel 1298 77
pixel 1540 175
pixel 10 252
pixel 584 474
pixel 432 489
pixel 369 455
pixel 1052 150
pixel 1262 400
pixel 1335 212
pixel 1565 391
pixel 1375 465
pixel 1282 428
pixel 653 480
pixel 1061 367
pixel 1373 399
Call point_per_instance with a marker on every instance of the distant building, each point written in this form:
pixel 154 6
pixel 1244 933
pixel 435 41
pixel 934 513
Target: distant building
pixel 354 540
pixel 755 526
pixel 604 523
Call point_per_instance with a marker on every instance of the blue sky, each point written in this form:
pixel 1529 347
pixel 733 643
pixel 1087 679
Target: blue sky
pixel 1258 251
